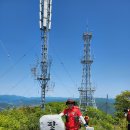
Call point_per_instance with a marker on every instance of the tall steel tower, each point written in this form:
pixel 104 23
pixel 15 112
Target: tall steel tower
pixel 45 26
pixel 86 90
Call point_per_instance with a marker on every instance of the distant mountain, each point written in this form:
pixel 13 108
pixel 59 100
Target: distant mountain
pixel 4 106
pixel 106 106
pixel 19 100
pixel 7 101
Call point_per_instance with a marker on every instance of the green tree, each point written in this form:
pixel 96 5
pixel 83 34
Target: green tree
pixel 122 101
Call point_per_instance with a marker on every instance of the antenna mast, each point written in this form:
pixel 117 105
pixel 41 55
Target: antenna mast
pixel 45 26
pixel 86 90
pixel 107 104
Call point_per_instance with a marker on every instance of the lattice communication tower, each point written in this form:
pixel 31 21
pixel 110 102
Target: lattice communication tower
pixel 86 91
pixel 45 26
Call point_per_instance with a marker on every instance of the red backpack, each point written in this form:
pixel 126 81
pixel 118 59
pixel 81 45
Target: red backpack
pixel 128 116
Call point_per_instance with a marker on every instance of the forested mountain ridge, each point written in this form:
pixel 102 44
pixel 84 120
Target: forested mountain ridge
pixel 27 117
pixel 17 101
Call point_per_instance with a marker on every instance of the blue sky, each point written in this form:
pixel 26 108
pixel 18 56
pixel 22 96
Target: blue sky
pixel 20 46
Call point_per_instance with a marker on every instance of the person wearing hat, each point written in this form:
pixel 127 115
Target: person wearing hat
pixel 86 118
pixel 72 115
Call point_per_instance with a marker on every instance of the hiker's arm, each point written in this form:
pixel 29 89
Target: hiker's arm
pixel 61 114
pixel 83 121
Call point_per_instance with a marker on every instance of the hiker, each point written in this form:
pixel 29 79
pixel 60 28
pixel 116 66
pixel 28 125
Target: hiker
pixel 127 115
pixel 128 118
pixel 86 118
pixel 72 115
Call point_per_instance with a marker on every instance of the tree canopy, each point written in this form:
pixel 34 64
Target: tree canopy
pixel 122 101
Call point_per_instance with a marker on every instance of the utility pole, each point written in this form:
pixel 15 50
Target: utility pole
pixel 107 105
pixel 86 90
pixel 45 26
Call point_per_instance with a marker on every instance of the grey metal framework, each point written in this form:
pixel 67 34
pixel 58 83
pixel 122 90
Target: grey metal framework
pixel 86 91
pixel 45 25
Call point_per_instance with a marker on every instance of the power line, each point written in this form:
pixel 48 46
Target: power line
pixel 10 68
pixel 6 51
pixel 64 67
